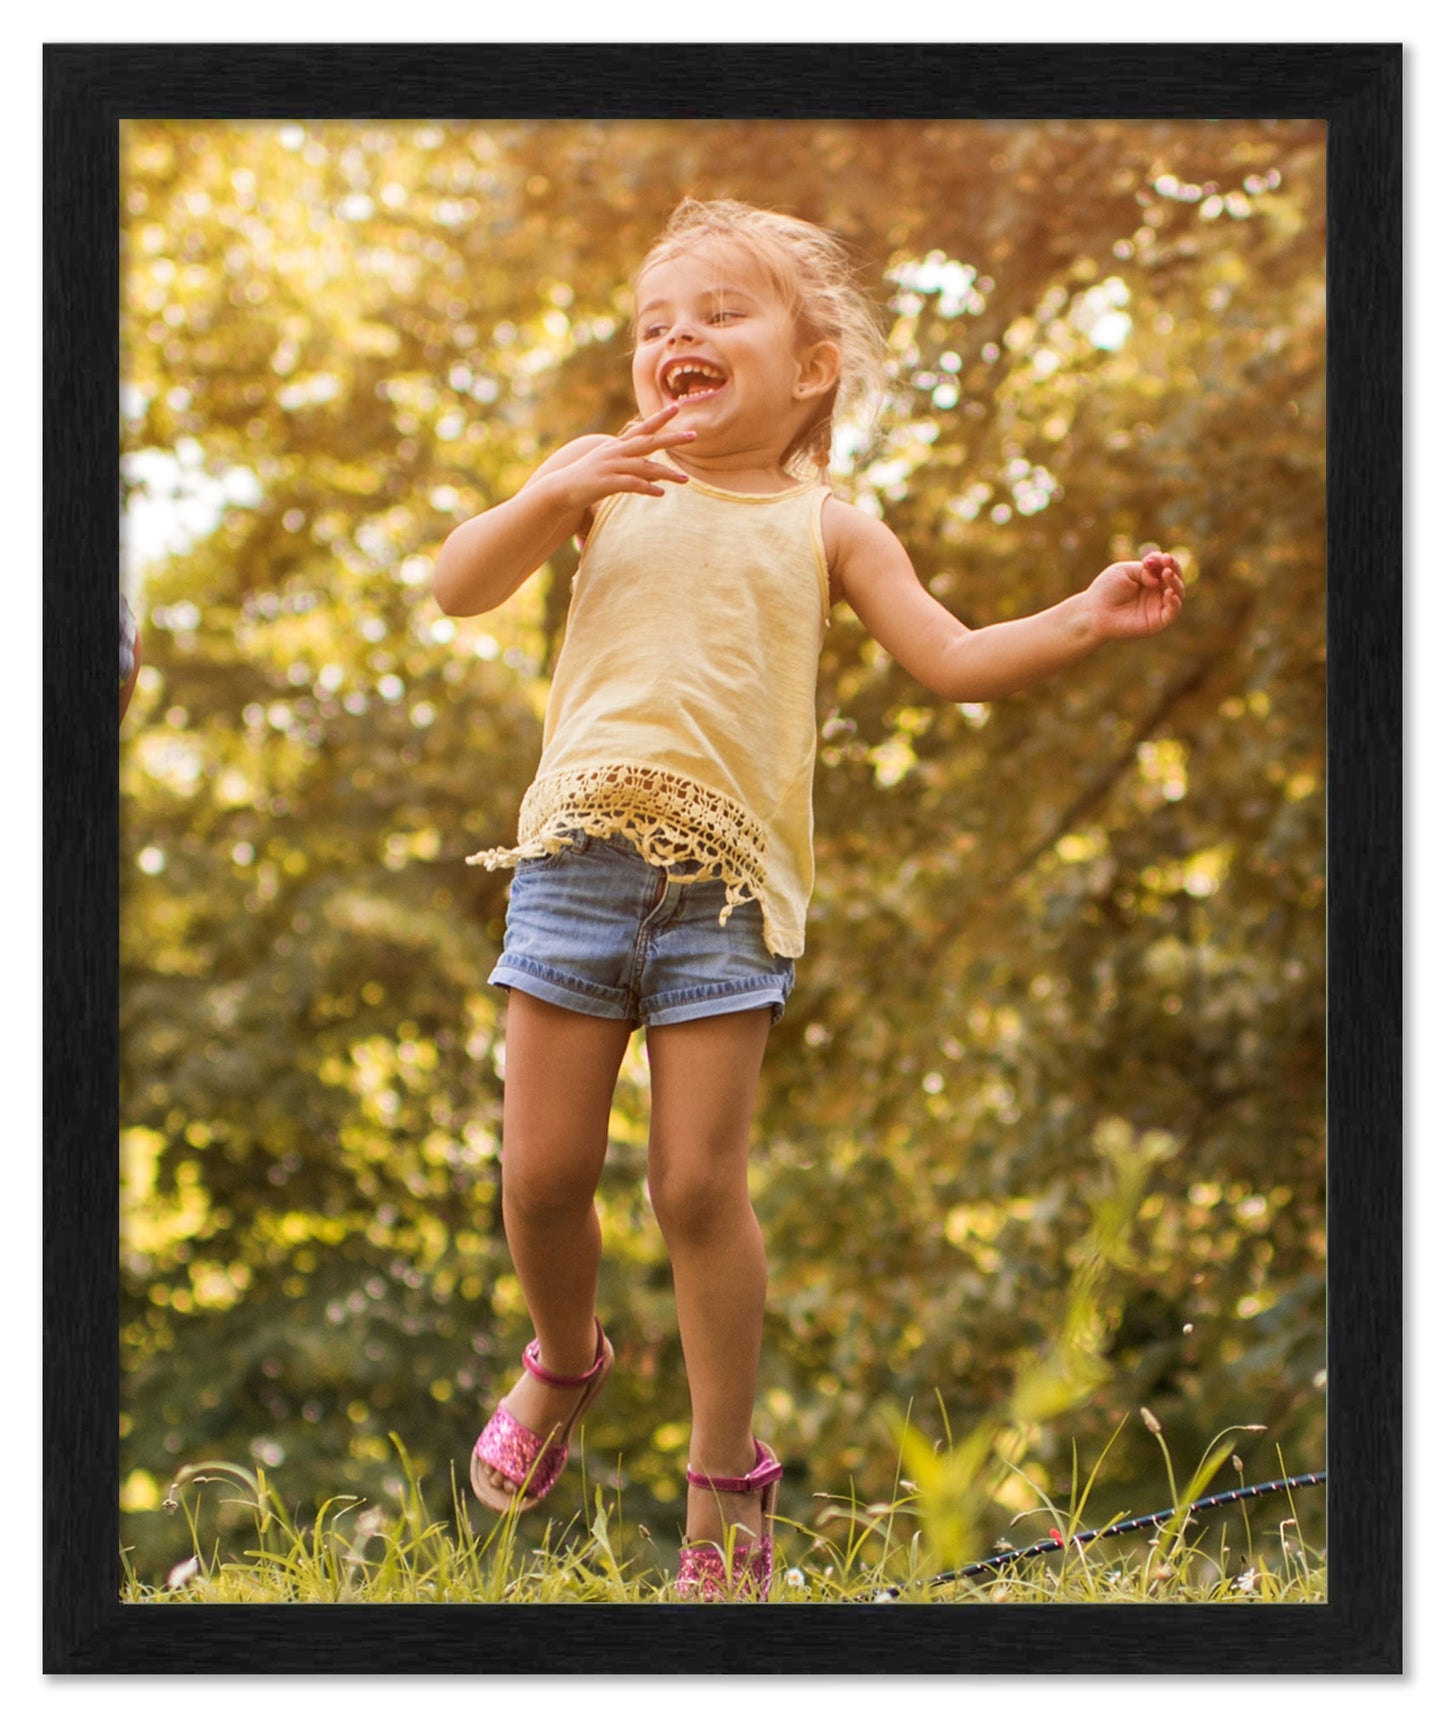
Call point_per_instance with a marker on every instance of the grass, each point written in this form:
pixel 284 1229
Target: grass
pixel 908 1549
pixel 852 1552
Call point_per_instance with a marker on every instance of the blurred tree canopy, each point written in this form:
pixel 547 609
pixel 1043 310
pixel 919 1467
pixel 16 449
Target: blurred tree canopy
pixel 1058 943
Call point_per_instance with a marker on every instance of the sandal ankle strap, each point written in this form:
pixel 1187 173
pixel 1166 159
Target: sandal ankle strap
pixel 762 1475
pixel 532 1361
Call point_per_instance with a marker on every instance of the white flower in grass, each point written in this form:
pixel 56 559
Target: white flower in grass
pixel 796 1578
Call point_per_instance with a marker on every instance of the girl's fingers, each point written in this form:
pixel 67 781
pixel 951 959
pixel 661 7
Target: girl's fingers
pixel 633 472
pixel 643 478
pixel 650 425
pixel 650 436
pixel 666 438
pixel 654 473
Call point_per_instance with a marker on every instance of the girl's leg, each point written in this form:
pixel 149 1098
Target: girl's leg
pixel 704 1082
pixel 556 1103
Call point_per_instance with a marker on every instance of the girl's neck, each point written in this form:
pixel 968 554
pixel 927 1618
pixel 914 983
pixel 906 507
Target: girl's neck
pixel 742 473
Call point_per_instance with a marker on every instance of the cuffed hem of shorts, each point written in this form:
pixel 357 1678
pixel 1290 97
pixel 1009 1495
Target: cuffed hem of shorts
pixel 701 1001
pixel 704 1001
pixel 560 988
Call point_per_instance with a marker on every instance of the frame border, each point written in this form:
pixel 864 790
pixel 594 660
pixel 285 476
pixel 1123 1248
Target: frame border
pixel 89 89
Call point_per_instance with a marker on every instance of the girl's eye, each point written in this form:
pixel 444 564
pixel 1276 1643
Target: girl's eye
pixel 653 330
pixel 725 315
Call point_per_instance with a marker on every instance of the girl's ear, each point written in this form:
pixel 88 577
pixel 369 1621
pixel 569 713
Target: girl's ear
pixel 818 367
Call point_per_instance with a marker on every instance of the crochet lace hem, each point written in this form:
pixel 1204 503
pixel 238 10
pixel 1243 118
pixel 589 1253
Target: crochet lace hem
pixel 674 823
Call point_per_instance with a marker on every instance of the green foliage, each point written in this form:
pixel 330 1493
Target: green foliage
pixel 1056 941
pixel 857 1556
pixel 955 1486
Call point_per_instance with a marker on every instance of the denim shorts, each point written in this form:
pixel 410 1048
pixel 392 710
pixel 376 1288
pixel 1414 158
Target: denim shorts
pixel 596 928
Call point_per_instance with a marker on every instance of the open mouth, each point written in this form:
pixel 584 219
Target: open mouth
pixel 691 378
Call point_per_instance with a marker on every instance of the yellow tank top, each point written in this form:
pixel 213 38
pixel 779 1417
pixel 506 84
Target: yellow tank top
pixel 683 711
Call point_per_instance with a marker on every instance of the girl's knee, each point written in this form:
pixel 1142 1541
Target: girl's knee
pixel 695 1199
pixel 541 1192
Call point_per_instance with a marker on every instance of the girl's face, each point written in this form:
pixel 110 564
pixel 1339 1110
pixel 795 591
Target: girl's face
pixel 712 333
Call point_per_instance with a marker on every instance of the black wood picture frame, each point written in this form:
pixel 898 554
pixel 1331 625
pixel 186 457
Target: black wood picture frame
pixel 88 91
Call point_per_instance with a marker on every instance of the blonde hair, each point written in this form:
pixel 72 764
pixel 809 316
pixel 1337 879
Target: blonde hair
pixel 813 275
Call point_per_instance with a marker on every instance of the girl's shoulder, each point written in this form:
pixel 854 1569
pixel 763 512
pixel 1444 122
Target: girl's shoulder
pixel 853 540
pixel 860 552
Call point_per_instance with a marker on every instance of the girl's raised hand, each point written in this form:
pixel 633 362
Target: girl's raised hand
pixel 621 464
pixel 1136 598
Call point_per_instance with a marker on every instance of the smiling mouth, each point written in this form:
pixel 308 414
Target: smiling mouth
pixel 691 378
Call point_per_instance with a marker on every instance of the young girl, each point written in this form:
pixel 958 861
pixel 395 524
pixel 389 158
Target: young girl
pixel 664 860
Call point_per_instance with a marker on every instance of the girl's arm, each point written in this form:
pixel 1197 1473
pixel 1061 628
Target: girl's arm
pixel 484 560
pixel 872 572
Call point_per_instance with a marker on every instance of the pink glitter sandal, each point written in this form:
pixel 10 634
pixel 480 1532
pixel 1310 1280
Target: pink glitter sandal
pixel 532 1462
pixel 701 1571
